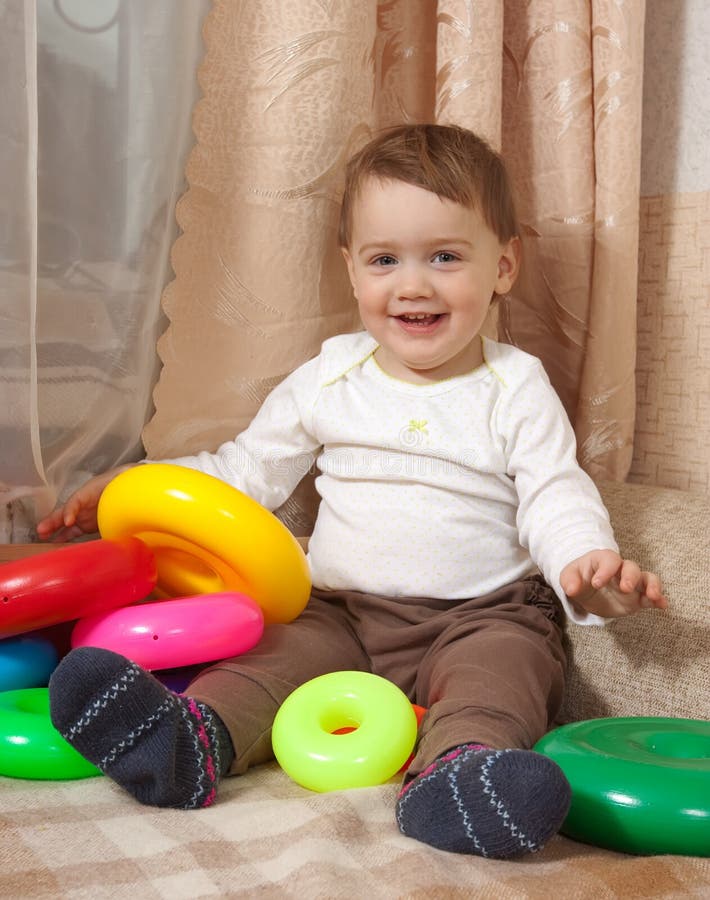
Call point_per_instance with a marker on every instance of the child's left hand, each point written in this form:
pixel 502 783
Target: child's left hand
pixel 603 583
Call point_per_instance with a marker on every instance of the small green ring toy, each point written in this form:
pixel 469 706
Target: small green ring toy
pixel 308 749
pixel 639 784
pixel 30 746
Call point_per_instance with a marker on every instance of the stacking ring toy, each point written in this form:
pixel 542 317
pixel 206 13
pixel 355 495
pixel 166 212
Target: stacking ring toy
pixel 419 712
pixel 207 537
pixel 174 633
pixel 72 582
pixel 639 784
pixel 30 746
pixel 26 662
pixel 313 755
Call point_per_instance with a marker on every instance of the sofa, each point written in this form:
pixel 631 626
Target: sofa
pixel 267 837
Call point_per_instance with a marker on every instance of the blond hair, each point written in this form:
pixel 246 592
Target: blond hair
pixel 449 161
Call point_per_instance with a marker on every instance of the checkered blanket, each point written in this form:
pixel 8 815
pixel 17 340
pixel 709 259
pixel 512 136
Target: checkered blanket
pixel 267 837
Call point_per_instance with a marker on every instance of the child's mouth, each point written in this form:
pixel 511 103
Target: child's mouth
pixel 419 321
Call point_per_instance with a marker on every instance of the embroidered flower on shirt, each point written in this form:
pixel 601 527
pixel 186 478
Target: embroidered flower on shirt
pixel 418 425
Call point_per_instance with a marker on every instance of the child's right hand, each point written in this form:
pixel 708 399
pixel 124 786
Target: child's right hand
pixel 78 514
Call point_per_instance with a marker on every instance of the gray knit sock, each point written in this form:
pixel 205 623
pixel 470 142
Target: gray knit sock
pixel 164 749
pixel 493 803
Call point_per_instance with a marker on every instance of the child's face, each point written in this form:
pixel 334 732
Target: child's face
pixel 424 271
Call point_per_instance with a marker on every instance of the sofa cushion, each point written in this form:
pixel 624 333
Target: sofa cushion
pixel 656 663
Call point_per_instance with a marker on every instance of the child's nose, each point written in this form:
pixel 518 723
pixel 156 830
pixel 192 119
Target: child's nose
pixel 414 282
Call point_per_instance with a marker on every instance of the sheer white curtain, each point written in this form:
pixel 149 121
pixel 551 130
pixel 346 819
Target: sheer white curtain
pixel 94 131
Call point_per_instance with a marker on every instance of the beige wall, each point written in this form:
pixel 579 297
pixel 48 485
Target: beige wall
pixel 672 440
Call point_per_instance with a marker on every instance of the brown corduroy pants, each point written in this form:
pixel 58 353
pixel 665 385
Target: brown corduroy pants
pixel 489 670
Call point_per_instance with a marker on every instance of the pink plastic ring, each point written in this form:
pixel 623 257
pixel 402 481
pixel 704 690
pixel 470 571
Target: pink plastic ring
pixel 174 633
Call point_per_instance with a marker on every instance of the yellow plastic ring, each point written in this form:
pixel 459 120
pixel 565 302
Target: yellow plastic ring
pixel 207 537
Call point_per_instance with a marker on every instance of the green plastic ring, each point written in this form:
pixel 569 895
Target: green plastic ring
pixel 639 784
pixel 309 749
pixel 30 746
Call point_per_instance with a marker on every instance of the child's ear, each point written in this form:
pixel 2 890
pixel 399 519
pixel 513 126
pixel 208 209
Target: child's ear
pixel 508 265
pixel 349 263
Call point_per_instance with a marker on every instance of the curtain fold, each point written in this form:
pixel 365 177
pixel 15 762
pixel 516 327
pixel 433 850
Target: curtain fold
pixel 22 461
pixel 469 65
pixel 605 414
pixel 572 135
pixel 94 129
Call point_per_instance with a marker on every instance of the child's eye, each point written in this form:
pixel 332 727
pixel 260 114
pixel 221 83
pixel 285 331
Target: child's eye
pixel 444 257
pixel 384 261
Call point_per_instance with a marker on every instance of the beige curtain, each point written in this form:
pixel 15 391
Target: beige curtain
pixel 289 90
pixel 572 95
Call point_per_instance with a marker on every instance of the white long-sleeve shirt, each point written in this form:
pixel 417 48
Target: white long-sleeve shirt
pixel 450 489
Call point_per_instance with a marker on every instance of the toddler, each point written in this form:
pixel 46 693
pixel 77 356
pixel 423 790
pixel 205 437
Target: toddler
pixel 455 528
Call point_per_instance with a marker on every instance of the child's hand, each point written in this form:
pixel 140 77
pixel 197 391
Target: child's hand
pixel 78 515
pixel 603 583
